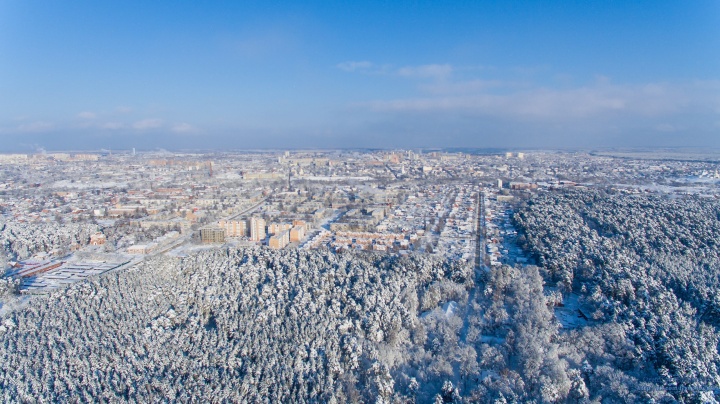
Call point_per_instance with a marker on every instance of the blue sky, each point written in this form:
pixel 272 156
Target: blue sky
pixel 230 75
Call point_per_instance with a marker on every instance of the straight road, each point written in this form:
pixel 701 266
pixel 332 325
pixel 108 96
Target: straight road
pixel 248 210
pixel 480 231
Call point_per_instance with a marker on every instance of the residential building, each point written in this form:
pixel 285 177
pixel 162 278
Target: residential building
pixel 297 233
pixel 234 228
pixel 257 229
pixel 275 228
pixel 212 235
pixel 97 239
pixel 279 240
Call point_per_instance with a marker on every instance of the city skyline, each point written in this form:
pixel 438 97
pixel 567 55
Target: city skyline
pixel 321 75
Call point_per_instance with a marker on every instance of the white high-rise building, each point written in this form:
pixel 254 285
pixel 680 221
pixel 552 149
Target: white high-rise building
pixel 257 229
pixel 234 228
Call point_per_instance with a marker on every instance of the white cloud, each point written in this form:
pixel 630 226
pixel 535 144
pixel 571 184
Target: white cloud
pixel 426 71
pixel 151 123
pixel 123 110
pixel 516 95
pixel 355 66
pixel 434 71
pixel 183 128
pixel 87 115
pixel 464 87
pixel 35 127
pixel 650 100
pixel 112 125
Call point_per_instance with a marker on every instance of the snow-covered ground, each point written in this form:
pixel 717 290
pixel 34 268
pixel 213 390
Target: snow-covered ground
pixel 67 273
pixel 186 249
pixel 569 315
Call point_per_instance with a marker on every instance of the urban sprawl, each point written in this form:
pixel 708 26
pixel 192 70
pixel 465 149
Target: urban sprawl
pixel 67 216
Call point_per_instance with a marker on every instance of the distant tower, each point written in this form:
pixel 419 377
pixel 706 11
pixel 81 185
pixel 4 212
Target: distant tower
pixel 210 172
pixel 289 175
pixel 499 183
pixel 133 152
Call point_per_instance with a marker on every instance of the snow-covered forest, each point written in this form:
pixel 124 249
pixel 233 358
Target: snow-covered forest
pixel 647 272
pixel 21 240
pixel 232 324
pixel 259 325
